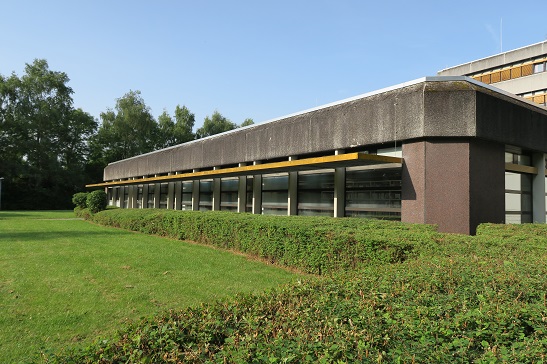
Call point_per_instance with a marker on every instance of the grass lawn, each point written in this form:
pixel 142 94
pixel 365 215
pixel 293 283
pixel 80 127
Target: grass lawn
pixel 63 280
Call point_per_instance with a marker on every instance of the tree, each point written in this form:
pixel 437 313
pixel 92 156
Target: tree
pixel 184 124
pixel 214 125
pixel 247 122
pixel 178 132
pixel 43 139
pixel 128 130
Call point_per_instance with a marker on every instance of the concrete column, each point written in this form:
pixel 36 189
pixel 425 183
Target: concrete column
pixel 195 194
pixel 178 195
pixel 132 197
pixel 241 191
pixel 538 188
pixel 455 184
pixel 339 189
pixel 119 196
pixel 107 190
pixel 157 193
pixel 171 196
pixel 257 192
pixel 292 203
pixel 216 194
pixel 145 196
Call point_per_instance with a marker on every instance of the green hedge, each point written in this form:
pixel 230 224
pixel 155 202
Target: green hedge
pixel 316 245
pixel 461 299
pixel 449 308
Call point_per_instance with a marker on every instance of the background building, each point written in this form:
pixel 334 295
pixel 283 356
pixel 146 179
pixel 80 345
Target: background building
pixel 522 71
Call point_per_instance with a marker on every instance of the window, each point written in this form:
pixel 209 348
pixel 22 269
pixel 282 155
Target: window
pixel 125 191
pixel 275 194
pixel 316 194
pixel 206 195
pixel 249 188
pixel 518 198
pixel 539 67
pixel 374 193
pixel 186 195
pixel 164 188
pixel 150 200
pixel 229 194
pixel 139 196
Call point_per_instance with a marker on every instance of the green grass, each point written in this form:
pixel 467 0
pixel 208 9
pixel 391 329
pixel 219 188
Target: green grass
pixel 65 281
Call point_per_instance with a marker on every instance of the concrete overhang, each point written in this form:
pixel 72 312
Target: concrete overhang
pixel 326 162
pixel 430 107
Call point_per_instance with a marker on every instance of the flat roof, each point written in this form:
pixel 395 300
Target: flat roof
pixel 507 57
pixel 343 101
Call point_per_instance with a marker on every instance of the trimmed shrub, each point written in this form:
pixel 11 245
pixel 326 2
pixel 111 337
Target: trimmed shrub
pixel 318 245
pixel 80 199
pixel 96 201
pixel 460 299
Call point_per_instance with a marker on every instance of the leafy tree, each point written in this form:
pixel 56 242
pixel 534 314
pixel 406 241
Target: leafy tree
pixel 178 131
pixel 184 124
pixel 214 125
pixel 128 130
pixel 43 139
pixel 247 122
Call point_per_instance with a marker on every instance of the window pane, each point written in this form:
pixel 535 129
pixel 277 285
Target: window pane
pixel 205 195
pixel 164 188
pixel 275 195
pixel 150 202
pixel 316 194
pixel 229 194
pixel 374 193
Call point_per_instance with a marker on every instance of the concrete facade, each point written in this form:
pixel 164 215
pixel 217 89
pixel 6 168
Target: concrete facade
pixel 448 137
pixel 521 71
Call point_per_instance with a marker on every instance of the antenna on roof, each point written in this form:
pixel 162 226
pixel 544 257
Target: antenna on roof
pixel 501 35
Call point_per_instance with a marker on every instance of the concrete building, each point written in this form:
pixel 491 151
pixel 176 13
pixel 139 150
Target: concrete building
pixel 450 151
pixel 522 71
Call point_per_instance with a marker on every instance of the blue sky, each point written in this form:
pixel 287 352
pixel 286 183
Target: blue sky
pixel 254 59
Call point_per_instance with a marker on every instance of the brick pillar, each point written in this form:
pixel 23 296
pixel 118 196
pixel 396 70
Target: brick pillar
pixel 453 183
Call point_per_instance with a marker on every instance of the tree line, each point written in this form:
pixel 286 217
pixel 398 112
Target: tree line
pixel 49 149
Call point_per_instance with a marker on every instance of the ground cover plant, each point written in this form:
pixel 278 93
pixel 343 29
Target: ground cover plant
pixel 65 281
pixel 453 299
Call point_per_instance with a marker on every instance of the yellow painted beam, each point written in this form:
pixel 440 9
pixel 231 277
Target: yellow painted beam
pixel 330 161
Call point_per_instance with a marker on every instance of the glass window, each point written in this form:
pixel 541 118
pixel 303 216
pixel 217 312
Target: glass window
pixel 518 158
pixel 125 191
pixel 275 194
pixel 206 195
pixel 151 190
pixel 109 195
pixel 186 195
pixel 249 202
pixel 374 193
pixel 229 194
pixel 518 198
pixel 164 190
pixel 539 67
pixel 139 196
pixel 316 194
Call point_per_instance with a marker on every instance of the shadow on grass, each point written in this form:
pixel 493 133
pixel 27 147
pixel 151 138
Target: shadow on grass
pixel 10 215
pixel 53 235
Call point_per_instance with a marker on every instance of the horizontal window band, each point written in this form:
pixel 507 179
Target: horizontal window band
pixel 334 161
